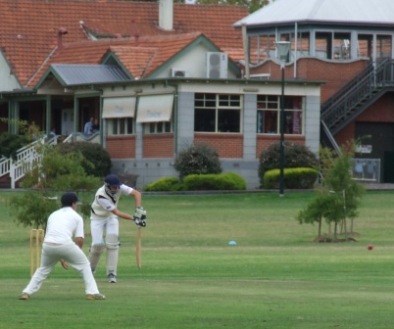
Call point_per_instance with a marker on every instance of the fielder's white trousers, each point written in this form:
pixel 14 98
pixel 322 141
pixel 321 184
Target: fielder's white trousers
pixel 73 255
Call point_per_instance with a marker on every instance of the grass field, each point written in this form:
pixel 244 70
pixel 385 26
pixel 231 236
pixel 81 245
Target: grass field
pixel 275 277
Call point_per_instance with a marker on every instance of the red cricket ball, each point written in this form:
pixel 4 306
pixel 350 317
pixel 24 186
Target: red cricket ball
pixel 370 247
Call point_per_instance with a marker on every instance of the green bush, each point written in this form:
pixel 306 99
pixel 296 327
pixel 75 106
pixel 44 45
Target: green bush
pixel 294 178
pixel 10 144
pixel 198 159
pixel 296 156
pixel 97 160
pixel 224 181
pixel 164 184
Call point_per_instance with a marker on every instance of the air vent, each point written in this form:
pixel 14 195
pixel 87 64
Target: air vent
pixel 178 73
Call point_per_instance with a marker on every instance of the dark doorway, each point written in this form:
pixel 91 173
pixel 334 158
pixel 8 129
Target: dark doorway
pixel 381 137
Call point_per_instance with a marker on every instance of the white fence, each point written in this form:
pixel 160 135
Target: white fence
pixel 25 159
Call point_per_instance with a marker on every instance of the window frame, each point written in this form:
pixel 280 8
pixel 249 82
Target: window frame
pixel 218 104
pixel 158 127
pixel 124 126
pixel 272 104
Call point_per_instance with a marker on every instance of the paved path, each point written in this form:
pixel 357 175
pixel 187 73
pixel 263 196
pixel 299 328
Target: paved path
pixel 379 186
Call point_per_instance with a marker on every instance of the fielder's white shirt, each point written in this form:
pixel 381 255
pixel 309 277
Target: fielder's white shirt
pixel 63 225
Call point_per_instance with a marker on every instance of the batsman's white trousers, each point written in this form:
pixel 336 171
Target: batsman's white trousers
pixel 73 255
pixel 97 227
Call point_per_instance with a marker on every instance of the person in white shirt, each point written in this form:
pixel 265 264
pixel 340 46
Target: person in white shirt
pixel 64 225
pixel 88 128
pixel 104 224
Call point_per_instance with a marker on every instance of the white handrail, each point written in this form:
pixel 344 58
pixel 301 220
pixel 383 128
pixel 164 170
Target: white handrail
pixel 25 160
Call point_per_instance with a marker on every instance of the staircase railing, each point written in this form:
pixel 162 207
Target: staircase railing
pixel 24 160
pixel 356 95
pixel 364 87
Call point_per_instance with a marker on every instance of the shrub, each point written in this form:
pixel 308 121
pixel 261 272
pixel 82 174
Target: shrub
pixel 225 181
pixel 164 184
pixel 296 156
pixel 10 144
pixel 97 160
pixel 294 178
pixel 198 159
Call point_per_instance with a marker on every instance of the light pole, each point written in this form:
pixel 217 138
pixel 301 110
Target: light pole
pixel 282 48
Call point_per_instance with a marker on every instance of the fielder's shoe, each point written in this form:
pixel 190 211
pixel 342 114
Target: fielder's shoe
pixel 95 297
pixel 24 296
pixel 111 278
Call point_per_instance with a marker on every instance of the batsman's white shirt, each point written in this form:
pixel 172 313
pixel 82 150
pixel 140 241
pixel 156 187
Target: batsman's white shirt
pixel 104 202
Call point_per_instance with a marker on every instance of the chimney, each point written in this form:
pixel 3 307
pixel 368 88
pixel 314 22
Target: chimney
pixel 60 32
pixel 166 15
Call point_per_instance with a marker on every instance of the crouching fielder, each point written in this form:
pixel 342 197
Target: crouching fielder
pixel 58 245
pixel 104 222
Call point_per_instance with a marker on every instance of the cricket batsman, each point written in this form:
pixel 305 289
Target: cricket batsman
pixel 104 224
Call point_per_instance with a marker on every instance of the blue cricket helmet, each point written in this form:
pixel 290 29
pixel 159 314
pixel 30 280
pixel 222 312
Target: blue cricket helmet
pixel 112 180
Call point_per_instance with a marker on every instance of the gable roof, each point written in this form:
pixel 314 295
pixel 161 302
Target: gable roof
pixel 77 74
pixel 32 30
pixel 344 12
pixel 139 59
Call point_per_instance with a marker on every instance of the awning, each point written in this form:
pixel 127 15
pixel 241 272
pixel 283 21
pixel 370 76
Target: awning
pixel 119 107
pixel 155 108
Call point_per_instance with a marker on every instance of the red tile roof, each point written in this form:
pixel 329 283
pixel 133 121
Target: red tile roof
pixel 29 28
pixel 140 57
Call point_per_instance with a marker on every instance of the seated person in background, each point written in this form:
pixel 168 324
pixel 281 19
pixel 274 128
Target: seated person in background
pixel 88 128
pixel 96 126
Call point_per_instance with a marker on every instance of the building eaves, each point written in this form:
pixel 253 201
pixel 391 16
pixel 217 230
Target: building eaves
pixel 347 12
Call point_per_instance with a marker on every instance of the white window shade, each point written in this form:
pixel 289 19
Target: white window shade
pixel 155 108
pixel 119 107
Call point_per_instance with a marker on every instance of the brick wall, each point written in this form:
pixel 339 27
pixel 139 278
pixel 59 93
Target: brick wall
pixel 334 74
pixel 264 141
pixel 380 111
pixel 120 147
pixel 158 146
pixel 227 145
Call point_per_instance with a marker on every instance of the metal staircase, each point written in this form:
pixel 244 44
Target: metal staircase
pixel 354 98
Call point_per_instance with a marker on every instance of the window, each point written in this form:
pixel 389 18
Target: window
pixel 157 127
pixel 268 114
pixel 217 113
pixel 121 126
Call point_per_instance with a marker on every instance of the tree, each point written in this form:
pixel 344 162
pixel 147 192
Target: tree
pixel 252 5
pixel 48 179
pixel 339 195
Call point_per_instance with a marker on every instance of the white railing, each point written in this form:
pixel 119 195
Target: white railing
pixel 26 158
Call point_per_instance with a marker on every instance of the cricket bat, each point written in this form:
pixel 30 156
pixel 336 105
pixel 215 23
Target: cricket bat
pixel 138 248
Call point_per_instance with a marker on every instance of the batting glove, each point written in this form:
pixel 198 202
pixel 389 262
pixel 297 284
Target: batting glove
pixel 139 216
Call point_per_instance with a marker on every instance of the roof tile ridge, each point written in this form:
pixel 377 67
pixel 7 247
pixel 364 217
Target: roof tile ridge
pixel 148 63
pixel 44 62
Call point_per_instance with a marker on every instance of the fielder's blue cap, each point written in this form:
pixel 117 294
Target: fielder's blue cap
pixel 68 199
